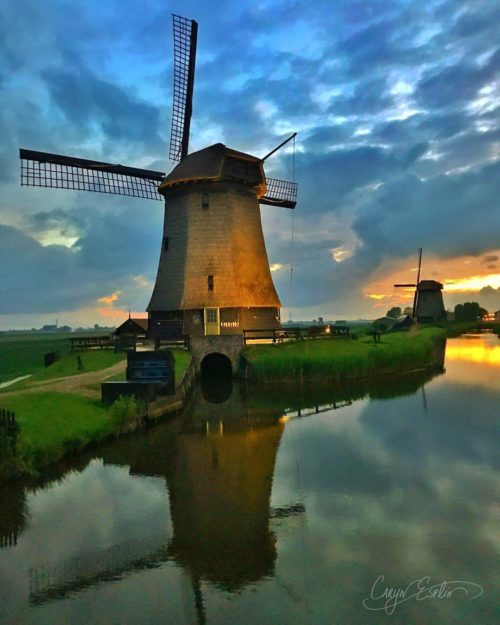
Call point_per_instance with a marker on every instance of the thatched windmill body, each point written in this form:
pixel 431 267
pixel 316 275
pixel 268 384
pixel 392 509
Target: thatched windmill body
pixel 428 305
pixel 213 275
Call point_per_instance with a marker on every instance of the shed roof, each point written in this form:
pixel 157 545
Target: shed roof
pixel 141 323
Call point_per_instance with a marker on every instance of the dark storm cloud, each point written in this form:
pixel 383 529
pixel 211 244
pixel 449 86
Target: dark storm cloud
pixel 448 215
pixel 86 101
pixel 456 84
pixel 369 96
pixel 54 277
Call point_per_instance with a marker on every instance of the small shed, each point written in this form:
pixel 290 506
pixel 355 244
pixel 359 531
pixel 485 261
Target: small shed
pixel 384 323
pixel 133 326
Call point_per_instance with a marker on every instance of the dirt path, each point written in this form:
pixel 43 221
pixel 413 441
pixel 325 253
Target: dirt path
pixel 80 384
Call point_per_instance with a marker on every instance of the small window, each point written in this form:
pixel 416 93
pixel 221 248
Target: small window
pixel 210 283
pixel 204 201
pixel 165 244
pixel 212 315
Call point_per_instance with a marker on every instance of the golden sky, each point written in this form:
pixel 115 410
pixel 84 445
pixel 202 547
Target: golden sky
pixel 462 277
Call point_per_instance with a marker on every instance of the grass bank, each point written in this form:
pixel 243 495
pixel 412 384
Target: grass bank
pixel 344 359
pixel 54 424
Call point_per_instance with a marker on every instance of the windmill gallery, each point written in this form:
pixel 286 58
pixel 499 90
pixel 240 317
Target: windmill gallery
pixel 213 277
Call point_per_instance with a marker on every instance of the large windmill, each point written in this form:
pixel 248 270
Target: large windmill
pixel 213 274
pixel 428 303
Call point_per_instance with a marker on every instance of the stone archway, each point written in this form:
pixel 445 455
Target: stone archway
pixel 216 363
pixel 228 346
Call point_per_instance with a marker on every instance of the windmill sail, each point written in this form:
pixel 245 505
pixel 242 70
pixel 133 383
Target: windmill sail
pixel 41 169
pixel 280 193
pixel 185 37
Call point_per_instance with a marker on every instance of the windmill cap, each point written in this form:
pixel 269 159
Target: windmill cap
pixel 218 162
pixel 429 285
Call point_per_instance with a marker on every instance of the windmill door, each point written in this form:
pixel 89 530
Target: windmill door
pixel 212 321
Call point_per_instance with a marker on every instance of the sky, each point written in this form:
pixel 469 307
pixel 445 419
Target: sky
pixel 396 108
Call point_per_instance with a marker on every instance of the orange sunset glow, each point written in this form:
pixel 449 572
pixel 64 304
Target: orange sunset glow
pixel 469 352
pixel 463 275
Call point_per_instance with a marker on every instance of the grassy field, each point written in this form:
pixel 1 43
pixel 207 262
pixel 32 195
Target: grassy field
pixel 343 359
pixel 21 354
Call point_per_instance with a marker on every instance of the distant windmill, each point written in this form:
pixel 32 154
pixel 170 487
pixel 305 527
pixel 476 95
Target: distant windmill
pixel 428 303
pixel 213 275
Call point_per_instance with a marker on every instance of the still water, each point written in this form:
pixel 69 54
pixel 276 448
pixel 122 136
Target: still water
pixel 275 507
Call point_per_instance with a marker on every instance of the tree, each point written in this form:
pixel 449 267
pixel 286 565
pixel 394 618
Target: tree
pixel 469 311
pixel 394 312
pixel 408 311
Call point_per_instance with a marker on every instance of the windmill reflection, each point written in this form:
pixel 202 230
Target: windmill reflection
pixel 218 462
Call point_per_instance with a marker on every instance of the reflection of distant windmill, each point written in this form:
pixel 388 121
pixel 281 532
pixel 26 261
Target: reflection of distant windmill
pixel 427 300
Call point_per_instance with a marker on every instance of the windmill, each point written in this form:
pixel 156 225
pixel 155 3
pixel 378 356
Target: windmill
pixel 428 303
pixel 213 274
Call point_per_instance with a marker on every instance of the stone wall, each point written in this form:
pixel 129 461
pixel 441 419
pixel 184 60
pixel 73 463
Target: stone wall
pixel 228 345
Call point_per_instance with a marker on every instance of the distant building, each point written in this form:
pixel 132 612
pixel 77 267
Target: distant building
pixel 49 328
pixel 384 323
pixel 133 326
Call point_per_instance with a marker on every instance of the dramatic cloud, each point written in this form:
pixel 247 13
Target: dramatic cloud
pixel 396 105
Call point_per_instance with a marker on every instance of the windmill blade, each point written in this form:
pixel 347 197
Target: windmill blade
pixel 185 37
pixel 280 193
pixel 41 169
pixel 404 285
pixel 415 297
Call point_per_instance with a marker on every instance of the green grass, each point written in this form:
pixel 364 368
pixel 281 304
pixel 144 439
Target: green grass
pixel 54 424
pixel 92 360
pixel 22 354
pixel 341 359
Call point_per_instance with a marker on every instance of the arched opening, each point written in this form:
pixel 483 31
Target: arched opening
pixel 216 378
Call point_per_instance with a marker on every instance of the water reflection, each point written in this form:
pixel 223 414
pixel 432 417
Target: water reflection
pixel 474 349
pixel 267 506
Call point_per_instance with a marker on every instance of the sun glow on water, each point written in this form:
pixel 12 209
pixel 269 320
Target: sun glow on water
pixel 474 353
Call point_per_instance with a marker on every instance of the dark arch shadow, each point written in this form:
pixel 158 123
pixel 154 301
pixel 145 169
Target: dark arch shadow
pixel 216 376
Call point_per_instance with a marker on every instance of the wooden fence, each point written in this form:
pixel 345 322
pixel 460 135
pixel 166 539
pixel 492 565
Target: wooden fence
pixel 279 335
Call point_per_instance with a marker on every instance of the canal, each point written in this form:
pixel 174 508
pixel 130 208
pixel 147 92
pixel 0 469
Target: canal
pixel 361 504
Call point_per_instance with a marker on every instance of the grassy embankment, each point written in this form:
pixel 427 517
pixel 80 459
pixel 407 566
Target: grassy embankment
pixel 53 423
pixel 344 359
